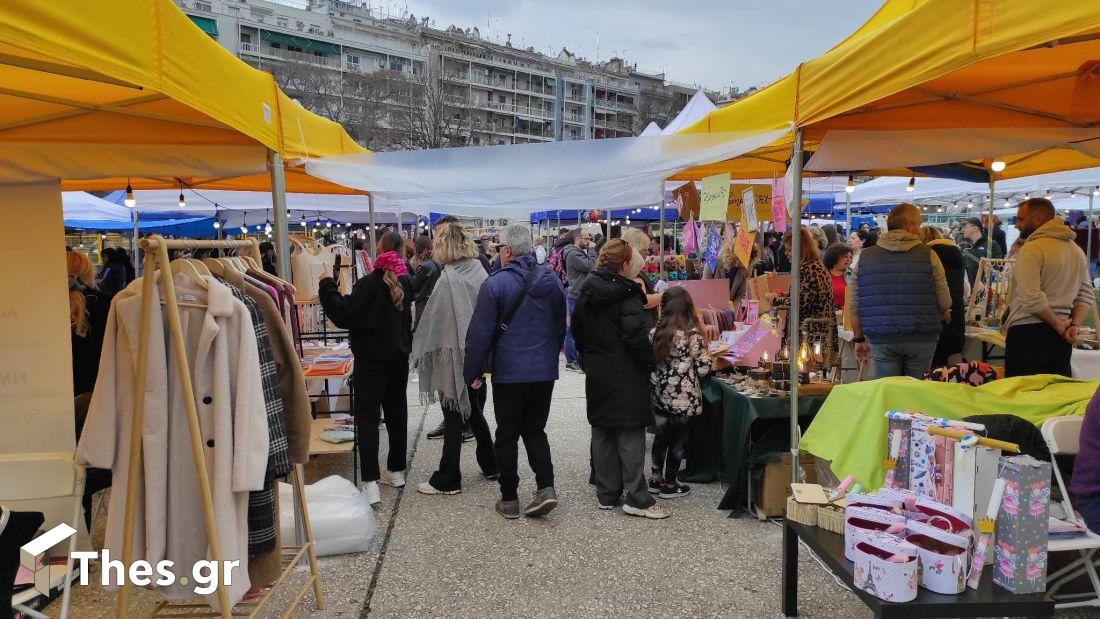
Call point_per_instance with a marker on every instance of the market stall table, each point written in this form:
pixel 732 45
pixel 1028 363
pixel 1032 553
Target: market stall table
pixel 737 414
pixel 988 600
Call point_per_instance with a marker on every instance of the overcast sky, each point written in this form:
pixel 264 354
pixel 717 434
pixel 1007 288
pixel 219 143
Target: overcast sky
pixel 716 43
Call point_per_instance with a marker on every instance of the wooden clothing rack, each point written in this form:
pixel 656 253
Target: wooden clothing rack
pixel 156 256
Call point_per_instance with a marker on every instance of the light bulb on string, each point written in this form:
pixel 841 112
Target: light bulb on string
pixel 851 186
pixel 303 222
pixel 267 227
pixel 217 223
pixel 912 184
pixel 328 224
pixel 1096 192
pixel 244 229
pixel 1007 204
pixel 997 165
pixel 183 202
pixel 129 200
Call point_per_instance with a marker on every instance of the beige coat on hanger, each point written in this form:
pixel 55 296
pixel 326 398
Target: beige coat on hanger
pixel 225 368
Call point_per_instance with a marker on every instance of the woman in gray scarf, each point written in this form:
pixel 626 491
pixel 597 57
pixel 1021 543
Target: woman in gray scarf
pixel 439 349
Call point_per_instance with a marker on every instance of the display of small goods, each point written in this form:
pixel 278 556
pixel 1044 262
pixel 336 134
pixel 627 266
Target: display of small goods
pixel 951 505
pixel 675 267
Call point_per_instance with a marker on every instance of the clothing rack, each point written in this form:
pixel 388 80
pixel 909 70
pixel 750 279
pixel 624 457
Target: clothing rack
pixel 156 257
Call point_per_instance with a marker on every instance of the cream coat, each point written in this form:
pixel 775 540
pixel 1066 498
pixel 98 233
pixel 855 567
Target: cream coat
pixel 221 350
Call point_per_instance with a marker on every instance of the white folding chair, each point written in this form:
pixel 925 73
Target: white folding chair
pixel 26 478
pixel 1062 436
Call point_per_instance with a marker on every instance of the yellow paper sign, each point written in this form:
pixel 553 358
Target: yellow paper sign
pixel 743 247
pixel 715 197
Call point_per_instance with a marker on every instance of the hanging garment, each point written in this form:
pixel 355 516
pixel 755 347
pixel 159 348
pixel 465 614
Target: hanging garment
pixel 363 265
pixel 261 504
pixel 221 350
pixel 307 268
pixel 345 276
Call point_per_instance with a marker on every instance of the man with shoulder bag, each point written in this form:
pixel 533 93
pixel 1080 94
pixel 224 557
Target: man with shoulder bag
pixel 516 333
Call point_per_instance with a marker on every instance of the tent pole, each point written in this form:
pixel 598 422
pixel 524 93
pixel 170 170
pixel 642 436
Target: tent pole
pixel 134 242
pixel 370 215
pixel 848 213
pixel 989 221
pixel 792 314
pixel 1088 244
pixel 279 213
pixel 661 247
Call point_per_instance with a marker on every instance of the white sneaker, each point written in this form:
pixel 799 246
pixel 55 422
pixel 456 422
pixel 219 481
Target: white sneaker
pixel 372 492
pixel 425 487
pixel 393 478
pixel 654 512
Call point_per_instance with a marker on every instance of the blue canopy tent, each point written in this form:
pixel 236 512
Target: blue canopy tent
pixel 83 211
pixel 637 214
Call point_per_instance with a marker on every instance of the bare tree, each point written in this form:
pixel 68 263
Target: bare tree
pixel 432 113
pixel 653 106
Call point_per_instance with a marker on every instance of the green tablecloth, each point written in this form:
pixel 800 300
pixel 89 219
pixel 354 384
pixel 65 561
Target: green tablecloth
pixel 850 431
pixel 738 412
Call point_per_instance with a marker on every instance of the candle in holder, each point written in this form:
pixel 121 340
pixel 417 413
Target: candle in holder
pixel 764 360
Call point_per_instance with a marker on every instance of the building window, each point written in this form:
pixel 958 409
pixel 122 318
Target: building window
pixel 282 21
pixel 352 59
pixel 246 38
pixel 203 7
pixel 502 99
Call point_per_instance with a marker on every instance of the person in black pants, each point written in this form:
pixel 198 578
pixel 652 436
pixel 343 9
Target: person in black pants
pixel 438 355
pixel 530 301
pixel 378 318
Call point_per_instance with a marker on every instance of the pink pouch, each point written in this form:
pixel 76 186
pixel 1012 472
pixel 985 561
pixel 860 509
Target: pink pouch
pixel 877 571
pixel 862 522
pixel 944 557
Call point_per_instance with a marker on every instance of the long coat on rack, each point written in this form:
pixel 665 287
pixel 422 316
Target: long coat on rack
pixel 225 370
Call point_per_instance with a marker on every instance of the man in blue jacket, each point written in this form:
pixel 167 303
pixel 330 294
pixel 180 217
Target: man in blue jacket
pixel 524 364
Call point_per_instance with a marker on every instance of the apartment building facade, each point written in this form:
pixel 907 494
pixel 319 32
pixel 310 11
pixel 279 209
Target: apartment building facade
pixel 371 72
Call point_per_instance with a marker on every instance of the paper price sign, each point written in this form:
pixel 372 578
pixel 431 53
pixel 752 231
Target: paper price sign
pixel 715 197
pixel 779 205
pixel 748 207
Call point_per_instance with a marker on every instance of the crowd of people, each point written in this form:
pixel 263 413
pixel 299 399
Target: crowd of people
pixel 461 311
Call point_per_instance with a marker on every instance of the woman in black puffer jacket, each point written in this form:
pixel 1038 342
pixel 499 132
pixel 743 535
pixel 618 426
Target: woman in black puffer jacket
pixel 613 346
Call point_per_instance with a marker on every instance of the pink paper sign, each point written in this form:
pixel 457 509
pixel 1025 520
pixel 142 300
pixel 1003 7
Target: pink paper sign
pixel 779 204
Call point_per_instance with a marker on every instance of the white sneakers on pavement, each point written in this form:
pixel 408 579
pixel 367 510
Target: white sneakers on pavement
pixel 393 478
pixel 425 487
pixel 372 492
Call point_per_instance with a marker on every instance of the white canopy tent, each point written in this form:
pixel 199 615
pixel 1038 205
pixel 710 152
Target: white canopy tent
pixel 80 206
pixel 519 179
pixel 650 129
pixel 696 108
pixel 236 208
pixel 1068 190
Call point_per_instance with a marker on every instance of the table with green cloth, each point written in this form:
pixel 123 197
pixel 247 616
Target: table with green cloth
pixel 850 429
pixel 736 413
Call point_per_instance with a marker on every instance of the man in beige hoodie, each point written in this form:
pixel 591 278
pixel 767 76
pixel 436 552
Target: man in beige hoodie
pixel 1050 294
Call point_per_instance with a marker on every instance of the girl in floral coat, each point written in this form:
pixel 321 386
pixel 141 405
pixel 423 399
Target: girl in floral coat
pixel 681 352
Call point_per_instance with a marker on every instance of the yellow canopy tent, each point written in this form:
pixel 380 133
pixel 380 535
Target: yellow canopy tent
pixel 136 89
pixel 956 78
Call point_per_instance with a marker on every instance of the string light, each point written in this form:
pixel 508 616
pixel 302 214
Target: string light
pixel 303 222
pixel 217 223
pixel 851 186
pixel 1007 204
pixel 183 202
pixel 912 184
pixel 1096 192
pixel 267 227
pixel 129 201
pixel 997 165
pixel 244 229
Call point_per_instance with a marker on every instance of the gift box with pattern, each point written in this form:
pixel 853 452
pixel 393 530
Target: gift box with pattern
pixel 901 470
pixel 886 567
pixel 1020 550
pixel 922 460
pixel 860 522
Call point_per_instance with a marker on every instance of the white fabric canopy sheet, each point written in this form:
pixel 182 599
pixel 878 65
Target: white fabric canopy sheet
pixel 519 179
pixel 254 207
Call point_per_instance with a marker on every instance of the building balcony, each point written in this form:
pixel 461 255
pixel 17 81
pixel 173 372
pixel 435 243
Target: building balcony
pixel 576 120
pixel 252 49
pixel 477 78
pixel 537 89
pixel 576 98
pixel 535 112
pixel 534 132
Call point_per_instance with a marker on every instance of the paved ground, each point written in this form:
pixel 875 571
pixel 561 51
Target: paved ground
pixel 454 557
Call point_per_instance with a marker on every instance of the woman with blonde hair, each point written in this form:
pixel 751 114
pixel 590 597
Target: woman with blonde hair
pixel 615 352
pixel 88 309
pixel 439 351
pixel 378 317
pixel 639 242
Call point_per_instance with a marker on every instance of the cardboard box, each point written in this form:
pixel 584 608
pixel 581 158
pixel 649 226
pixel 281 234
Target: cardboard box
pixel 769 497
pixel 760 286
